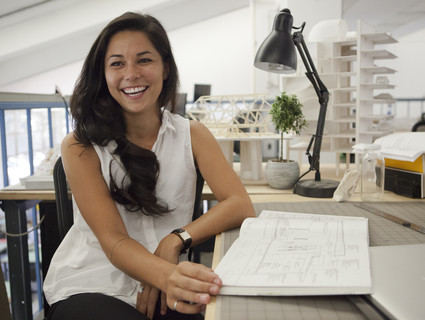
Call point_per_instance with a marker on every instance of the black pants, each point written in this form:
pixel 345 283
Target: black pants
pixel 97 306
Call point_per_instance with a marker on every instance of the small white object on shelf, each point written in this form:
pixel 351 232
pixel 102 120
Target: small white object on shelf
pixel 38 182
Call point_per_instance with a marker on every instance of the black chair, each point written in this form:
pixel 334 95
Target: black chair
pixel 420 126
pixel 65 213
pixel 195 252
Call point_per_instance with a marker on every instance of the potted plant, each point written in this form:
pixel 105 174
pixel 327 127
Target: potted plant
pixel 287 116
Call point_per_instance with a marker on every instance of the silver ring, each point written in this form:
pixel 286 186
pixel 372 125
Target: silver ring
pixel 175 305
pixel 141 288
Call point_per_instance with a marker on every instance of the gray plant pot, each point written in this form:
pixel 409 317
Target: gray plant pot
pixel 282 175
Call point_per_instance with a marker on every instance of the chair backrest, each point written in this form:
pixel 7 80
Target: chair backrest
pixel 63 202
pixel 420 126
pixel 194 252
pixel 197 209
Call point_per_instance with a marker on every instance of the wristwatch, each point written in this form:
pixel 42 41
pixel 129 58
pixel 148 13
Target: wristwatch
pixel 184 237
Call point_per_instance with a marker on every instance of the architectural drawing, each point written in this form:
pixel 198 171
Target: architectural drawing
pixel 298 250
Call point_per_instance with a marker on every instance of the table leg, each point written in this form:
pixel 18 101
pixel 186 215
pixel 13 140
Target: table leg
pixel 227 148
pixel 50 239
pixel 17 250
pixel 251 160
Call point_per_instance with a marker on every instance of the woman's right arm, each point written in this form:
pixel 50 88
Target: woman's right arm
pixel 83 172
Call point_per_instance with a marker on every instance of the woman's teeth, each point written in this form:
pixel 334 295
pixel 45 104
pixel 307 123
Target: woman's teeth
pixel 134 91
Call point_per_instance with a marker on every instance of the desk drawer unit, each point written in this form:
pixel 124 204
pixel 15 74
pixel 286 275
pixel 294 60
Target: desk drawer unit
pixel 404 182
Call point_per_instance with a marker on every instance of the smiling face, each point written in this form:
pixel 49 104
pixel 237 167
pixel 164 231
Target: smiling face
pixel 134 72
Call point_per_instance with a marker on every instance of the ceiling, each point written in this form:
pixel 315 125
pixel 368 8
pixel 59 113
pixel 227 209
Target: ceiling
pixel 53 33
pixel 12 7
pixel 385 15
pixel 395 16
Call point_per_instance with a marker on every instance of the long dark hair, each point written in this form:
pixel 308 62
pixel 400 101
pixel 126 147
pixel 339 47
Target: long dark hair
pixel 99 119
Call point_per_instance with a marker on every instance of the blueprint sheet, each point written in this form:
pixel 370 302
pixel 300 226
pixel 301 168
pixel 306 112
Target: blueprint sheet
pixel 287 253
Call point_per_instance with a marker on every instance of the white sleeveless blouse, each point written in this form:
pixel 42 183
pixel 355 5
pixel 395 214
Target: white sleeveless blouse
pixel 80 265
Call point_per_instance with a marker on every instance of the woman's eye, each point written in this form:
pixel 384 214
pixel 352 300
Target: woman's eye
pixel 145 60
pixel 116 63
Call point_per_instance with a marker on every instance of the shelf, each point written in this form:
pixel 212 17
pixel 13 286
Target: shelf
pixel 379 54
pixel 346 89
pixel 378 70
pixel 345 134
pixel 345 105
pixel 344 150
pixel 379 38
pixel 345 43
pixel 378 101
pixel 346 58
pixel 350 119
pixel 377 117
pixel 378 85
pixel 376 133
pixel 339 74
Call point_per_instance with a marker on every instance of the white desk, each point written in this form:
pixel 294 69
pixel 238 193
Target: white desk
pixel 381 232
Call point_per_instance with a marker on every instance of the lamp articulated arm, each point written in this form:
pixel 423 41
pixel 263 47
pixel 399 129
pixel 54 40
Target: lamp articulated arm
pixel 323 95
pixel 277 54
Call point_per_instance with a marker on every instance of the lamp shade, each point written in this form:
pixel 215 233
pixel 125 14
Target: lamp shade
pixel 277 52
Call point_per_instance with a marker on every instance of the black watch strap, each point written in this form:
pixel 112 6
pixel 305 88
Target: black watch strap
pixel 184 237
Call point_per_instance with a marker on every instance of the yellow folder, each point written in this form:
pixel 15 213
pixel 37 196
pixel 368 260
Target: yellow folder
pixel 418 165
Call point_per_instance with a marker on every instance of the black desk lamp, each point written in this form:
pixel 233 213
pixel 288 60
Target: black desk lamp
pixel 277 54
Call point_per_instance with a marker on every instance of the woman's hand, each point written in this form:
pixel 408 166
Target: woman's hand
pixel 146 300
pixel 190 287
pixel 169 250
pixel 189 290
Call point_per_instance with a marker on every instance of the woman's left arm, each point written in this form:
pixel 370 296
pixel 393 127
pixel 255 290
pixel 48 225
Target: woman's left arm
pixel 234 204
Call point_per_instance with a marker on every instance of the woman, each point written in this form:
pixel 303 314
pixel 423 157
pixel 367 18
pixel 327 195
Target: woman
pixel 131 166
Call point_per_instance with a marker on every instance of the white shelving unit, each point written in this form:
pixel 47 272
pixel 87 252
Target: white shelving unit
pixel 369 120
pixel 355 74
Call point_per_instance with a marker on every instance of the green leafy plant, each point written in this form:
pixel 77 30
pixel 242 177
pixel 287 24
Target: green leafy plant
pixel 287 116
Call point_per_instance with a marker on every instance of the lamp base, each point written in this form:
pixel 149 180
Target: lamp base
pixel 316 189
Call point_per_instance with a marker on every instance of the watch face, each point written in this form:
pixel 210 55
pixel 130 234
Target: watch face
pixel 185 235
pixel 185 238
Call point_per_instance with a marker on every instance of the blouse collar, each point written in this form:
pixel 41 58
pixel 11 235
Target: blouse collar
pixel 166 123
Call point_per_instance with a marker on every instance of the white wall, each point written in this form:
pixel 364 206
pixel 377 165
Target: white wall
pixel 64 77
pixel 217 51
pixel 410 65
